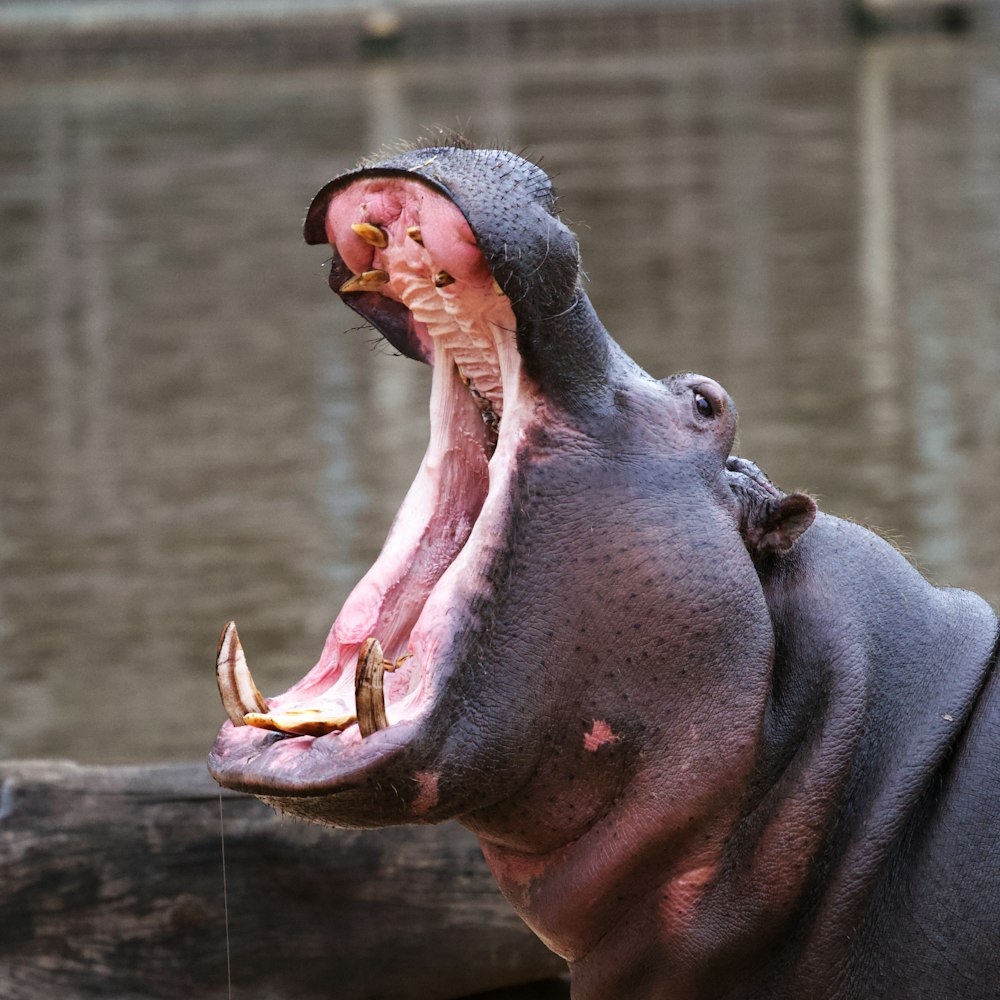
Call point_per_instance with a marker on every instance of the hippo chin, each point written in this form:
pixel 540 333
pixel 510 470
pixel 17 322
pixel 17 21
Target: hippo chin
pixel 713 743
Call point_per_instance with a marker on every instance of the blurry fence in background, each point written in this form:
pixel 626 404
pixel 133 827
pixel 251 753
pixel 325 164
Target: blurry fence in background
pixel 43 36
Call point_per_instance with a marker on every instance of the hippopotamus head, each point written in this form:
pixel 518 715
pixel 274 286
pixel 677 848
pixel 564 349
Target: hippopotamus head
pixel 569 587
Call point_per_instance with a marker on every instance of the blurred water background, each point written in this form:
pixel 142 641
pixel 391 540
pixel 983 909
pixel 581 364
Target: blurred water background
pixel 193 429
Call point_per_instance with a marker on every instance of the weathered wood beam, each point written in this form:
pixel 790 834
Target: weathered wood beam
pixel 111 886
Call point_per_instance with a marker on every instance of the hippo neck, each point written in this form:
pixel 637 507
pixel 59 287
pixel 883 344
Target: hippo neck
pixel 876 675
pixel 841 770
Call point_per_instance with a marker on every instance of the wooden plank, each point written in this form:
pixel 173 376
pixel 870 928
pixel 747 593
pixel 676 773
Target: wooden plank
pixel 111 886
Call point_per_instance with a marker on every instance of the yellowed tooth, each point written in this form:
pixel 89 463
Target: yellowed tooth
pixel 443 278
pixel 369 698
pixel 301 721
pixel 496 287
pixel 415 234
pixel 236 685
pixel 368 281
pixel 374 236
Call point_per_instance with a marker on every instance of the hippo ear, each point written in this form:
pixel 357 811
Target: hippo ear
pixel 773 526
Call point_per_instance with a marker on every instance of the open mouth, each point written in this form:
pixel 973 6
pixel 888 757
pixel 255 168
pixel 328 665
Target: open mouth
pixel 404 250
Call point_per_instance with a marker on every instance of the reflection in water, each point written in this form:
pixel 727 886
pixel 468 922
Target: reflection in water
pixel 189 434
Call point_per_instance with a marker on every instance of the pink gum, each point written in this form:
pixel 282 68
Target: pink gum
pixel 395 205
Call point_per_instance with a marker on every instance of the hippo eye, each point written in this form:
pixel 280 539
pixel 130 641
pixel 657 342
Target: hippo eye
pixel 703 405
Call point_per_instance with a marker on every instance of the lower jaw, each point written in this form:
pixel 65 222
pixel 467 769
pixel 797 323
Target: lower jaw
pixel 276 767
pixel 344 768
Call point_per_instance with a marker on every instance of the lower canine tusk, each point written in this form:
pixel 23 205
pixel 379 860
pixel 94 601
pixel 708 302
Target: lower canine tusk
pixel 236 687
pixel 369 698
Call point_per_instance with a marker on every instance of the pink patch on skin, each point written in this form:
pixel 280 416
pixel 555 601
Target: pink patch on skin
pixel 427 792
pixel 681 895
pixel 512 869
pixel 599 736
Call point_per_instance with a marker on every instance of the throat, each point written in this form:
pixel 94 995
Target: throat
pixel 625 928
pixel 634 867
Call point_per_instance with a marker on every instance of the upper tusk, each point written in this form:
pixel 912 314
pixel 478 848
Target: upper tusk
pixel 374 236
pixel 236 685
pixel 367 281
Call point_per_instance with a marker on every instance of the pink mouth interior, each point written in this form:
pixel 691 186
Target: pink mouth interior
pixel 413 598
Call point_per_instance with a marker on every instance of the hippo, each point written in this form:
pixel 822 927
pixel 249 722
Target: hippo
pixel 713 741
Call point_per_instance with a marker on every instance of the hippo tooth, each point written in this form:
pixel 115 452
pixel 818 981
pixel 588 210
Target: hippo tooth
pixel 236 686
pixel 369 697
pixel 300 721
pixel 414 233
pixel 372 235
pixel 368 281
pixel 443 278
pixel 496 287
